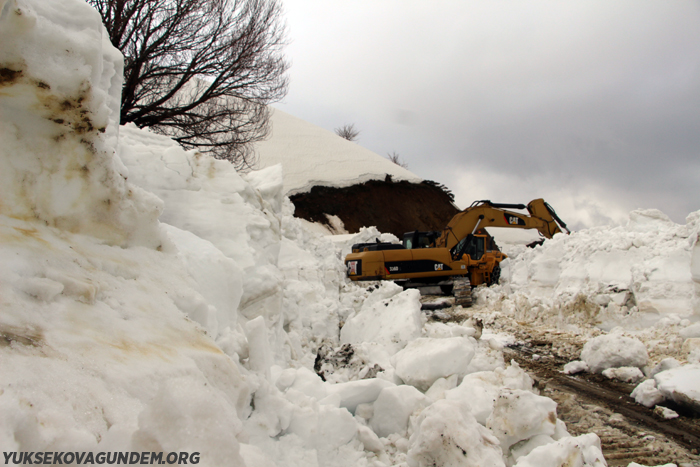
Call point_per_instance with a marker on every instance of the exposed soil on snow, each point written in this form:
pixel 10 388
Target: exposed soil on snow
pixel 393 207
pixel 629 432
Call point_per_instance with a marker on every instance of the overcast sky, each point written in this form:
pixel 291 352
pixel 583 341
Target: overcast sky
pixel 592 105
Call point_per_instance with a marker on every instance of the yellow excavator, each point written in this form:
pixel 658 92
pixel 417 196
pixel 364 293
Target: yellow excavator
pixel 460 257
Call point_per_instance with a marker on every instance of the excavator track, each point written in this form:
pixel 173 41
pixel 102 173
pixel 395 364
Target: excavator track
pixel 462 290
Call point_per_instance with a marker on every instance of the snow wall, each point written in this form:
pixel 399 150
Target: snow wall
pixel 155 300
pixel 635 276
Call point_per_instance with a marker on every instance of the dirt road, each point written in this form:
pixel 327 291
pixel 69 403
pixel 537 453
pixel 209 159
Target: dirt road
pixel 587 403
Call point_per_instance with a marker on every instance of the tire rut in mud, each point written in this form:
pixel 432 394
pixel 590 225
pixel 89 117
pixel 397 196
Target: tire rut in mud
pixel 591 403
pixel 629 432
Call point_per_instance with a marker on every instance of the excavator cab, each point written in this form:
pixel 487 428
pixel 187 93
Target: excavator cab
pixel 475 246
pixel 417 239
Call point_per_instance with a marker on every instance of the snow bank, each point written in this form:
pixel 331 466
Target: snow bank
pixel 60 94
pixel 630 276
pixel 640 282
pixel 198 330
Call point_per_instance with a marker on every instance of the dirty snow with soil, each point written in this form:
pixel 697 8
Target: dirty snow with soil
pixel 154 299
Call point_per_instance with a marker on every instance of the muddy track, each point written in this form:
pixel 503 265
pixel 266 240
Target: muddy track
pixel 629 432
pixel 587 403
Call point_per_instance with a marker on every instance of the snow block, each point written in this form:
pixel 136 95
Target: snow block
pixel 577 366
pixel 626 374
pixel 583 451
pixel 614 351
pixel 480 390
pixel 480 395
pixel 681 385
pixel 393 407
pixel 337 427
pixel 219 278
pixel 309 383
pixel 358 392
pixel 665 364
pixel 447 434
pixel 391 322
pixel 519 415
pixel 425 360
pixel 646 394
pixel 260 359
pixel 690 331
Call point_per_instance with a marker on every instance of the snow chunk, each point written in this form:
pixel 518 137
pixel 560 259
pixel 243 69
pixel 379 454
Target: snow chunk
pixel 369 439
pixel 681 385
pixel 424 360
pixel 614 351
pixel 480 390
pixel 665 364
pixel 447 434
pixel 577 366
pixel 391 322
pixel 691 348
pixel 690 331
pixel 393 407
pixel 309 383
pixel 665 412
pixel 337 427
pixel 583 451
pixel 519 415
pixel 219 278
pixel 627 374
pixel 354 393
pixel 646 394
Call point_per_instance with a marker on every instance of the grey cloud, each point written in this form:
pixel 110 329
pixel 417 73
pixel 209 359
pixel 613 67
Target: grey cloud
pixel 581 92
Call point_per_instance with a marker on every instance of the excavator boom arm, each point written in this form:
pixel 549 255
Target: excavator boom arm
pixel 486 214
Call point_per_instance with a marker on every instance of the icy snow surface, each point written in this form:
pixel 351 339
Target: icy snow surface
pixel 153 299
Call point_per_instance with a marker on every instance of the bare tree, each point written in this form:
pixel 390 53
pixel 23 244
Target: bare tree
pixel 396 159
pixel 348 132
pixel 200 71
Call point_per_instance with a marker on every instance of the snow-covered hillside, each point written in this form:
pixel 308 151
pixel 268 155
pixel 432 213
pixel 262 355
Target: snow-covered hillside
pixel 155 300
pixel 313 156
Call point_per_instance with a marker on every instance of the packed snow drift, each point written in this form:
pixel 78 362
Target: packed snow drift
pixel 155 300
